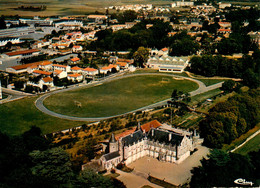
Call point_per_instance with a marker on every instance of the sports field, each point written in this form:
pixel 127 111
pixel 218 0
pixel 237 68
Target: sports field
pixel 117 97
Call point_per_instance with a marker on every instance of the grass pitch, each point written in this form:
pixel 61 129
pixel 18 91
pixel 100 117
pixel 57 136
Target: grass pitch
pixel 117 97
pixel 18 116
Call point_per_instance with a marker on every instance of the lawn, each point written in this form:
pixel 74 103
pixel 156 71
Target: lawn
pixel 251 145
pixel 209 82
pixel 117 97
pixel 18 116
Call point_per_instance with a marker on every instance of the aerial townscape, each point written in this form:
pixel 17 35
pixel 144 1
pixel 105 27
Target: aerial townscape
pixel 129 94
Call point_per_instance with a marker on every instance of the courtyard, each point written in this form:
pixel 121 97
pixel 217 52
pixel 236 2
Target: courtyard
pixel 176 174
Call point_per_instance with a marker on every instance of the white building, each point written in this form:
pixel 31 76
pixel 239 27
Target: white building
pixel 151 140
pixel 75 77
pixel 168 63
pixel 90 71
pixel 182 4
pixel 5 40
pixel 60 74
pixel 65 68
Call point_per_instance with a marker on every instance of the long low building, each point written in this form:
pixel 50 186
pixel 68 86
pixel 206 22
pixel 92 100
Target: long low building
pixel 22 53
pixel 168 63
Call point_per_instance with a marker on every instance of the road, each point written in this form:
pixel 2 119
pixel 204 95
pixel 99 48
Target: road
pixel 39 102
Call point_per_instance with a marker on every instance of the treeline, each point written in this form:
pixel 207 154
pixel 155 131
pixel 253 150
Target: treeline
pixel 247 68
pixel 30 160
pixel 133 38
pixel 32 8
pixel 221 169
pixel 230 119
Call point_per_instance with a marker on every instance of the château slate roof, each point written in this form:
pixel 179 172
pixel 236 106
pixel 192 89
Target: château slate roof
pixel 163 137
pixel 133 138
pixel 112 155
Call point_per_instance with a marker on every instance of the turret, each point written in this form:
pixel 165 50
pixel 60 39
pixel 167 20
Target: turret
pixel 113 145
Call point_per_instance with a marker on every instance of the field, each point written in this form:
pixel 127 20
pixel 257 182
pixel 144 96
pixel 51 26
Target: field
pixel 18 116
pixel 252 145
pixel 67 7
pixel 117 97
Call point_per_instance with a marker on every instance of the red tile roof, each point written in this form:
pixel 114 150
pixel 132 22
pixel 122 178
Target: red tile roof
pixel 20 67
pixel 164 49
pixel 121 64
pixel 89 69
pixel 74 75
pixel 57 65
pixel 76 68
pixel 75 59
pixel 46 63
pixel 147 127
pixel 22 52
pixel 58 71
pixel 125 133
pixel 47 79
pixel 42 72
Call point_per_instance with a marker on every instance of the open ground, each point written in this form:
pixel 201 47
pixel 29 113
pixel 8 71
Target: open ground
pixel 117 97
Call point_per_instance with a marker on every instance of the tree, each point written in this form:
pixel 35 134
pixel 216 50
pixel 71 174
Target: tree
pixel 141 56
pixel 221 169
pixel 2 23
pixel 228 86
pixel 8 45
pixel 53 164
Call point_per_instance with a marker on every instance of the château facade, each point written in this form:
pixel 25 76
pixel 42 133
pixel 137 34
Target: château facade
pixel 160 141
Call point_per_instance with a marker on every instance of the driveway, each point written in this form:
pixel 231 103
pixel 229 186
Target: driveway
pixel 39 102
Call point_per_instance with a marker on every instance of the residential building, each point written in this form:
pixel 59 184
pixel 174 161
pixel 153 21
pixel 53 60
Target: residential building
pixel 60 74
pixel 182 4
pixel 74 60
pixel 76 69
pixel 75 77
pixel 77 49
pixel 64 68
pixel 90 71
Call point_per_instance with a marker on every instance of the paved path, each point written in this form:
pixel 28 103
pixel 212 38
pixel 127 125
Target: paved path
pixel 248 139
pixel 39 102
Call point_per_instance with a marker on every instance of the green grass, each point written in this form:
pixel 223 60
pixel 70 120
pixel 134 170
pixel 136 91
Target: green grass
pixel 251 145
pixel 117 97
pixel 209 82
pixel 18 116
pixel 114 175
pixel 202 97
pixel 241 139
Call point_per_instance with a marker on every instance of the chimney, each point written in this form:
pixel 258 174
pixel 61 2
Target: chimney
pixel 170 136
pixel 152 132
pixel 139 126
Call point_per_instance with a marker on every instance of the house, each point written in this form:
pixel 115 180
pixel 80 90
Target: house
pixel 151 139
pixel 168 63
pixel 123 65
pixel 90 71
pixel 60 74
pixel 42 73
pixel 75 77
pixel 105 70
pixel 77 48
pixel 76 69
pixel 48 81
pixel 64 68
pixel 45 65
pixel 32 68
pixel 74 60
